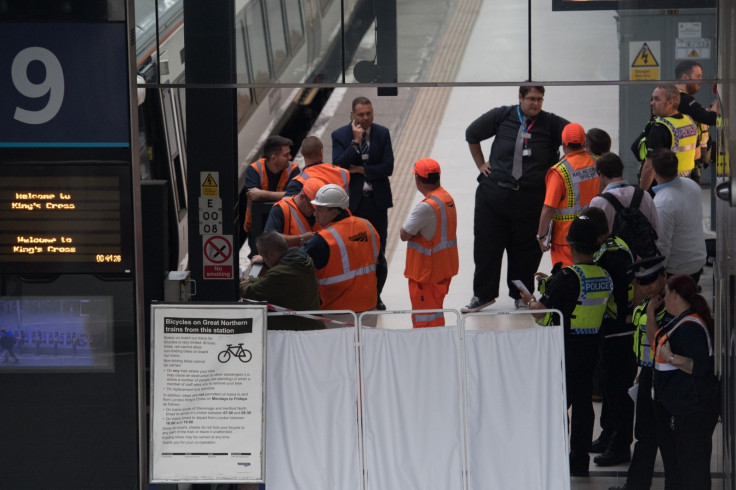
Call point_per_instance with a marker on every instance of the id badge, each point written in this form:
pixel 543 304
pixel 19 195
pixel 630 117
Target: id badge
pixel 364 156
pixel 526 152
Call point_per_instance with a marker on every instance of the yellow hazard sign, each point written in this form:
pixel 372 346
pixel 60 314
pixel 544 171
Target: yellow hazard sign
pixel 645 58
pixel 210 183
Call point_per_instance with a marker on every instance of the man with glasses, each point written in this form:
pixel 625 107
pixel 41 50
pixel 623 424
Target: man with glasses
pixel 510 193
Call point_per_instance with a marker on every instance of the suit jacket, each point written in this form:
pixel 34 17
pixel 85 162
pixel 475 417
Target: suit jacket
pixel 378 167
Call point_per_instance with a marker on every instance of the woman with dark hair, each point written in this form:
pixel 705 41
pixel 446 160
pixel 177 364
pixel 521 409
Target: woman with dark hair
pixel 686 390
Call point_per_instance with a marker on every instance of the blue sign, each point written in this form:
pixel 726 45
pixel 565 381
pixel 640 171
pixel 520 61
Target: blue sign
pixel 64 85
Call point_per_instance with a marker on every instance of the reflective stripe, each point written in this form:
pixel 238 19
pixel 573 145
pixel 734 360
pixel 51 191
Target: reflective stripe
pixel 572 179
pixel 294 209
pixel 659 365
pixel 428 317
pixel 348 274
pixel 444 242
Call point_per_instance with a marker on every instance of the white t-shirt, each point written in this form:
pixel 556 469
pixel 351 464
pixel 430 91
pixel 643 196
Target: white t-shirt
pixel 422 220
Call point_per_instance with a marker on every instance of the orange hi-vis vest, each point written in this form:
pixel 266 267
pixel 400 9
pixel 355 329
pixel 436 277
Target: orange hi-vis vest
pixel 260 166
pixel 663 335
pixel 582 183
pixel 348 281
pixel 431 261
pixel 327 173
pixel 295 223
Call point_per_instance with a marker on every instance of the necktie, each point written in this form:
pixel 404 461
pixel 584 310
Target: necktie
pixel 364 145
pixel 518 150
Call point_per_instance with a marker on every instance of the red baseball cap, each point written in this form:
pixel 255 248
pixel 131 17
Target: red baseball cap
pixel 425 166
pixel 573 134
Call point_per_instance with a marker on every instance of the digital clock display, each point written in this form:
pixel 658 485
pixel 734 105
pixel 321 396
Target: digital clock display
pixel 65 218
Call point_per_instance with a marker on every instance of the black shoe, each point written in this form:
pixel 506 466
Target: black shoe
pixel 599 446
pixel 579 471
pixel 609 458
pixel 380 305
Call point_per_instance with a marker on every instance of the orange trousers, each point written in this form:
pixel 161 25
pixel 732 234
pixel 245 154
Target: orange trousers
pixel 428 296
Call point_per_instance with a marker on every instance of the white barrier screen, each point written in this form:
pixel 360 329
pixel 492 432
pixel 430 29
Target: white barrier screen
pixel 412 409
pixel 311 410
pixel 516 409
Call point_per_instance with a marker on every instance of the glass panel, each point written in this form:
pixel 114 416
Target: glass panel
pixel 276 34
pixel 256 45
pixel 160 54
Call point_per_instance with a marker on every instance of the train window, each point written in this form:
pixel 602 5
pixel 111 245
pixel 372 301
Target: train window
pixel 323 4
pixel 257 45
pixel 176 157
pixel 245 99
pixel 294 24
pixel 276 34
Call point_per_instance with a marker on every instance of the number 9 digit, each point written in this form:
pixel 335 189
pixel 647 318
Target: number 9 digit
pixel 53 84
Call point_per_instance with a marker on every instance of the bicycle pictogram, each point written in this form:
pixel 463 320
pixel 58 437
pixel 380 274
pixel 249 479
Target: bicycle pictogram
pixel 243 354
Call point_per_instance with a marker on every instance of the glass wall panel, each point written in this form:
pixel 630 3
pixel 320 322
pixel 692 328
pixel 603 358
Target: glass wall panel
pixel 256 44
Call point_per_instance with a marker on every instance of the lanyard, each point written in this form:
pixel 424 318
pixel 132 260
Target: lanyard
pixel 521 123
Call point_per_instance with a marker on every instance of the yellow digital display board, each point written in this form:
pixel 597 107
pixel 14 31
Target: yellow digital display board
pixel 65 219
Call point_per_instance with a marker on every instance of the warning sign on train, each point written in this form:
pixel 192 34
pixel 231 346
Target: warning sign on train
pixel 644 59
pixel 210 183
pixel 217 257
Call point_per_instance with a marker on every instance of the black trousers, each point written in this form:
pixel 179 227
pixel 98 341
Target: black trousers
pixel 378 217
pixel 505 220
pixel 580 358
pixel 617 374
pixel 645 449
pixel 685 442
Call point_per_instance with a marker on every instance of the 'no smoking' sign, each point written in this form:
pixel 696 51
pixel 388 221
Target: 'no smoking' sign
pixel 217 257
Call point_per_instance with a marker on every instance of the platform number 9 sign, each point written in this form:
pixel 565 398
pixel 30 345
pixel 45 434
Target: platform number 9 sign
pixel 52 84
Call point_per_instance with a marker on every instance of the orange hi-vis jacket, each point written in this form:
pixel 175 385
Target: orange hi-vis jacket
pixel 295 223
pixel 430 261
pixel 260 166
pixel 327 173
pixel 582 184
pixel 348 281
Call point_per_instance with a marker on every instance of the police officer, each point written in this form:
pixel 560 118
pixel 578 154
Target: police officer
pixel 650 279
pixel 581 292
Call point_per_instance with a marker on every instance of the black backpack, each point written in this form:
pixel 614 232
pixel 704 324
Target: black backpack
pixel 633 227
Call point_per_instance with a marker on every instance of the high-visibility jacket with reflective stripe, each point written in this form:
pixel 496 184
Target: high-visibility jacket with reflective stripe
pixel 327 173
pixel 611 245
pixel 595 288
pixel 348 281
pixel 260 167
pixel 642 348
pixel 582 184
pixel 684 134
pixel 436 259
pixel 295 223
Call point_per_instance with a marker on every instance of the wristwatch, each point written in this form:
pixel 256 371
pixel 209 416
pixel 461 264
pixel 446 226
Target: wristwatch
pixel 539 237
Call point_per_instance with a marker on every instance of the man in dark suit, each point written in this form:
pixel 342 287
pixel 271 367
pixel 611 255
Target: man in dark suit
pixel 364 149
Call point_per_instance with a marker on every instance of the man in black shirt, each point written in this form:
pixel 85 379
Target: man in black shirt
pixel 510 193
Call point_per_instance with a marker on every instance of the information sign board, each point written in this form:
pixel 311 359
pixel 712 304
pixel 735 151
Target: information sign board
pixel 207 403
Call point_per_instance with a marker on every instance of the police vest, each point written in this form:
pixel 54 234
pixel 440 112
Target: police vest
pixel 327 173
pixel 684 134
pixel 575 169
pixel 642 348
pixel 348 281
pixel 260 167
pixel 430 261
pixel 663 336
pixel 595 288
pixel 613 244
pixel 295 223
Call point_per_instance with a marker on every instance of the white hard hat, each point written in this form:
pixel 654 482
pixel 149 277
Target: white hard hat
pixel 331 196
